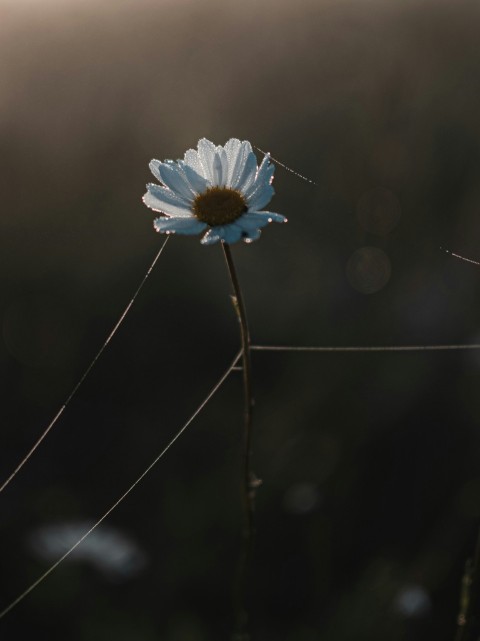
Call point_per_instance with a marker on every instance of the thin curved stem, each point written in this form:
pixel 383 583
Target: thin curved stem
pixel 249 480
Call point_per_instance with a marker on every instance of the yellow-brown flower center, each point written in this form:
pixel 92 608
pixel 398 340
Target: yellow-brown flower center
pixel 219 206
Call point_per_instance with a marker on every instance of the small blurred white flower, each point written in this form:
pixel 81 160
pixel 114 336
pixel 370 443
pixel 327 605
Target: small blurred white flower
pixel 108 549
pixel 216 189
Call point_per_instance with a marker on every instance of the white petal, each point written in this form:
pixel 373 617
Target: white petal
pixel 260 197
pixel 223 157
pixel 266 169
pixel 197 182
pixel 232 149
pixel 179 225
pixel 228 233
pixel 191 159
pixel 248 174
pixel 171 175
pixel 250 221
pixel 153 165
pixel 264 176
pixel 219 167
pixel 162 199
pixel 236 171
pixel 231 233
pixel 206 155
pixel 271 216
pixel 212 236
pixel 251 235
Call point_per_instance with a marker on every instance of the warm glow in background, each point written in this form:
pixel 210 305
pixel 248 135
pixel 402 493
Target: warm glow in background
pixel 371 494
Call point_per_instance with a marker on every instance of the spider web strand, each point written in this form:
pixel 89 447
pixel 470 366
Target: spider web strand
pixel 385 348
pixel 53 567
pixel 467 260
pixel 312 182
pixel 86 372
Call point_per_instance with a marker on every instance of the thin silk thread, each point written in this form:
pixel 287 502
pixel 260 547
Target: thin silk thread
pixel 86 373
pixel 467 260
pixel 292 171
pixel 55 565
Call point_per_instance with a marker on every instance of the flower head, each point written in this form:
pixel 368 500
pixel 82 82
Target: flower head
pixel 214 189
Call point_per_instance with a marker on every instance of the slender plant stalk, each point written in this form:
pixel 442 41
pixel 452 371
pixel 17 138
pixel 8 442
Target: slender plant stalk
pixel 249 480
pixel 467 620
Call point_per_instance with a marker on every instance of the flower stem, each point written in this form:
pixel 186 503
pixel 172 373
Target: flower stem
pixel 249 480
pixel 467 620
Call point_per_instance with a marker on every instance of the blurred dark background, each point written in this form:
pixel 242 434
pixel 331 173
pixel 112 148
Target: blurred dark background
pixel 371 462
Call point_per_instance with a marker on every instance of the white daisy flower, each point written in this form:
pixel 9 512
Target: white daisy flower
pixel 216 189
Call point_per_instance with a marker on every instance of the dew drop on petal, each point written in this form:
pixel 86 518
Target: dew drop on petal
pixel 368 270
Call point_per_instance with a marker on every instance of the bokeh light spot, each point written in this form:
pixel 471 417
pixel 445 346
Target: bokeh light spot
pixel 368 270
pixel 413 602
pixel 378 211
pixel 300 498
